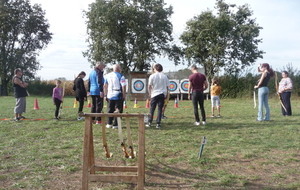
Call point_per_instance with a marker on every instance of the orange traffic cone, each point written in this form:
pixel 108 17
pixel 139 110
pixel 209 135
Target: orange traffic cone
pixel 147 104
pixel 75 104
pixel 135 103
pixel 124 104
pixel 89 103
pixel 176 103
pixel 36 104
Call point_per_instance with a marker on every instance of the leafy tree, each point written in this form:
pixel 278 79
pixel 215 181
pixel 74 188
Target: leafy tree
pixel 129 32
pixel 227 40
pixel 23 34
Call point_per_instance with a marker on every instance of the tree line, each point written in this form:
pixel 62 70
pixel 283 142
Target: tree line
pixel 133 33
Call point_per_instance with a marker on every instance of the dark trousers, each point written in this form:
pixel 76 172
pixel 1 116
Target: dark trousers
pixel 57 106
pixel 97 105
pixel 198 98
pixel 112 106
pixel 159 101
pixel 286 100
pixel 81 103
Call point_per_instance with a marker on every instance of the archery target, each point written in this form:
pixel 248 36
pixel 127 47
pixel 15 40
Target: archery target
pixel 138 85
pixel 184 85
pixel 174 86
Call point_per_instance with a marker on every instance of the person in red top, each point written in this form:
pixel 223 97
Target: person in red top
pixel 197 84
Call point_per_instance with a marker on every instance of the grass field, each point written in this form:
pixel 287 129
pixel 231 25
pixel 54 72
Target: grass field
pixel 241 153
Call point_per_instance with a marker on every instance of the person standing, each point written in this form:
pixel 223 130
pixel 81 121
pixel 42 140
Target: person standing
pixel 157 88
pixel 197 84
pixel 80 92
pixel 285 91
pixel 95 89
pixel 20 94
pixel 215 91
pixel 114 93
pixel 263 91
pixel 57 96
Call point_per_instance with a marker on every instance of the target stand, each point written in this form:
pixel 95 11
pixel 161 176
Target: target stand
pixel 89 167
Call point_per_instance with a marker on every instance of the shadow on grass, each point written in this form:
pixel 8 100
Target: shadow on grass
pixel 165 176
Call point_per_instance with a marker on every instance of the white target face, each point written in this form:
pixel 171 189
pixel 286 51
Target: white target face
pixel 174 86
pixel 184 85
pixel 138 85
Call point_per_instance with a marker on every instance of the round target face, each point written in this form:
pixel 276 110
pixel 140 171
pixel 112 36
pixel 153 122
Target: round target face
pixel 138 85
pixel 173 86
pixel 185 85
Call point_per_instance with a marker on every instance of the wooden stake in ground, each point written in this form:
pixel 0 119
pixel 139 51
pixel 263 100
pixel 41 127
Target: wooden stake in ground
pixel 121 135
pixel 130 145
pixel 107 154
pixel 202 146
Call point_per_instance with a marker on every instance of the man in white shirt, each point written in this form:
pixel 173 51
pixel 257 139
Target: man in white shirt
pixel 157 88
pixel 114 93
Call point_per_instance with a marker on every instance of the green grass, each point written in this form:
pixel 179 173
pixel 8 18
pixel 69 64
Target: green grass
pixel 241 153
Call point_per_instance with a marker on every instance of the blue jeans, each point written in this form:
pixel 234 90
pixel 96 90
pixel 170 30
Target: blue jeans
pixel 263 94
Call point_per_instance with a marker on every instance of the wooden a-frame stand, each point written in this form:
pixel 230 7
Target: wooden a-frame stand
pixel 89 167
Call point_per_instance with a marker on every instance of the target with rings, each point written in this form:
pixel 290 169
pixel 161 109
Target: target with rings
pixel 173 86
pixel 184 85
pixel 138 85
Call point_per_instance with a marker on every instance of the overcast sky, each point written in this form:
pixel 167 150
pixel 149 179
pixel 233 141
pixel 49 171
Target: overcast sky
pixel 63 56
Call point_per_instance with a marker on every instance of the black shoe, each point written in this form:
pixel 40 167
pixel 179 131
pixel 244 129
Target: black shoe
pixel 164 117
pixel 22 117
pixel 56 118
pixel 158 126
pixel 16 119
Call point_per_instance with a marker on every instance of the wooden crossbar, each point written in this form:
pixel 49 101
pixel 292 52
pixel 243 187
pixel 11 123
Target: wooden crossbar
pixel 113 178
pixel 116 168
pixel 89 168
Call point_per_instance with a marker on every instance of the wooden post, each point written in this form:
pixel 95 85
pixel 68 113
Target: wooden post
pixel 86 152
pixel 141 148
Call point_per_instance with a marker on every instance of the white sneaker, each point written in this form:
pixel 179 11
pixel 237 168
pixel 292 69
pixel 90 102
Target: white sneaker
pixel 197 123
pixel 80 118
pixel 108 126
pixel 203 122
pixel 115 127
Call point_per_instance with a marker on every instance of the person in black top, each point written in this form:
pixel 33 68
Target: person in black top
pixel 263 91
pixel 20 94
pixel 80 92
